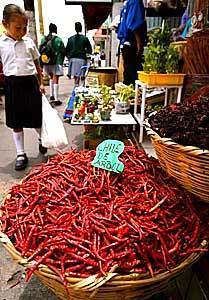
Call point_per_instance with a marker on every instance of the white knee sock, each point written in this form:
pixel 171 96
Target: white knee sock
pixel 51 87
pixel 19 142
pixel 38 130
pixel 56 90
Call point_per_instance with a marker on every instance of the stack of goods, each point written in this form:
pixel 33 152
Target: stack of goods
pixel 195 54
pixel 94 105
pixel 180 136
pixel 82 221
pixel 186 124
pixel 93 135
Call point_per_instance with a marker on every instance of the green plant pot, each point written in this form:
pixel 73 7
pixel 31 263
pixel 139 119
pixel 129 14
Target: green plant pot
pixel 105 115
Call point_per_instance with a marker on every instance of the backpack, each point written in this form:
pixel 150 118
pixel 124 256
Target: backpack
pixel 47 51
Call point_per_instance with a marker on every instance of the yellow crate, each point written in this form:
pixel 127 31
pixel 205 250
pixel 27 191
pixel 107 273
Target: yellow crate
pixel 161 79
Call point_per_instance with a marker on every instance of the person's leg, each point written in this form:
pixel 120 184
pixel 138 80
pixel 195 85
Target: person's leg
pixel 51 89
pixel 76 80
pixel 139 61
pixel 42 149
pixel 83 72
pixel 83 80
pixel 51 86
pixel 48 72
pixel 56 89
pixel 129 64
pixel 22 160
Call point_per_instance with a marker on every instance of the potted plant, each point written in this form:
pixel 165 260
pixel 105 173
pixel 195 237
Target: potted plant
pixel 106 103
pixel 158 42
pixel 161 59
pixel 122 104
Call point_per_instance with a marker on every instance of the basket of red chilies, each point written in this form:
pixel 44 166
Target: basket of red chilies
pixel 180 136
pixel 89 233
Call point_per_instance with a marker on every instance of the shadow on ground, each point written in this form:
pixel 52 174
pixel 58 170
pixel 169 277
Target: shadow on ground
pixel 33 161
pixel 36 290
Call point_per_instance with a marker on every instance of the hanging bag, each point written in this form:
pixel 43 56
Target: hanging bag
pixel 52 132
pixel 47 51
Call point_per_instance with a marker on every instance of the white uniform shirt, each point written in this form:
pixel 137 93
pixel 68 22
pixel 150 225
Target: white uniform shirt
pixel 18 57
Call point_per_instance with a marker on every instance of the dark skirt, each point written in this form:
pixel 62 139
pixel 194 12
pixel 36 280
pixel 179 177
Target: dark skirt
pixel 23 102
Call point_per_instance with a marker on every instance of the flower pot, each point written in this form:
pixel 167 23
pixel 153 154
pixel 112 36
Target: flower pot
pixel 105 115
pixel 161 79
pixel 122 107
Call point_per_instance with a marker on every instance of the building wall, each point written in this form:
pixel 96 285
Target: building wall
pixel 114 41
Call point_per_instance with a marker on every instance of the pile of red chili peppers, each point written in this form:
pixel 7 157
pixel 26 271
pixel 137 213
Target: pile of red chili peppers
pixel 80 221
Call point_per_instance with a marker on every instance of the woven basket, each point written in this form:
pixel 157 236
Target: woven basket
pixel 187 164
pixel 110 287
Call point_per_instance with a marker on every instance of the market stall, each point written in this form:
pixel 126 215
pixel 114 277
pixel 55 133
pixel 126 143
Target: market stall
pixel 104 112
pixel 112 222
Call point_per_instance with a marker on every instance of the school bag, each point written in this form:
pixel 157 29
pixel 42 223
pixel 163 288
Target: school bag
pixel 47 51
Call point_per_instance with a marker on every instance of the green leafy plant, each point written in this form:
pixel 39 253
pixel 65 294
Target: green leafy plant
pixel 172 60
pixel 126 93
pixel 105 132
pixel 158 51
pixel 106 102
pixel 106 96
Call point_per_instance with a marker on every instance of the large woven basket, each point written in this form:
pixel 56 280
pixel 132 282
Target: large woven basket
pixel 110 287
pixel 187 164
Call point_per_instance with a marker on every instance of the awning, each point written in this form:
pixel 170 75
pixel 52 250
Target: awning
pixel 166 8
pixel 95 14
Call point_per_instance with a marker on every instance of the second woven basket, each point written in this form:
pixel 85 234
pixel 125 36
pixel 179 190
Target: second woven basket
pixel 187 164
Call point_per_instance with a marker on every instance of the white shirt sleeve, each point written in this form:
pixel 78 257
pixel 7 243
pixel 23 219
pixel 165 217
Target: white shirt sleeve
pixel 34 51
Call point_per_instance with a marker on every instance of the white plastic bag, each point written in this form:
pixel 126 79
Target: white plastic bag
pixel 52 132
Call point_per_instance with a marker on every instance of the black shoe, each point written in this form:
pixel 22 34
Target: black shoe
pixel 42 149
pixel 21 162
pixel 57 102
pixel 51 100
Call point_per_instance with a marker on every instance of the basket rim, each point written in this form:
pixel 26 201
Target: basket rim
pixel 111 279
pixel 92 283
pixel 192 150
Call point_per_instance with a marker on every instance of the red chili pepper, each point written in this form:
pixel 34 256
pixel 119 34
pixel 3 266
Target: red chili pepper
pixel 36 264
pixel 83 221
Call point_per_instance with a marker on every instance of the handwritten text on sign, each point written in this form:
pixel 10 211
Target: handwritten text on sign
pixel 107 156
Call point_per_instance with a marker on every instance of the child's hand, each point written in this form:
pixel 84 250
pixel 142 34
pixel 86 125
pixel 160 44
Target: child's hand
pixel 42 89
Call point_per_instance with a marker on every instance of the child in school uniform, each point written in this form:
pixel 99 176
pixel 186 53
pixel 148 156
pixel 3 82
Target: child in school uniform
pixel 23 80
pixel 54 69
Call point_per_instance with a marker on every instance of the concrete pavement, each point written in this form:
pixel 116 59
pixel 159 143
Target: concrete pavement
pixel 7 148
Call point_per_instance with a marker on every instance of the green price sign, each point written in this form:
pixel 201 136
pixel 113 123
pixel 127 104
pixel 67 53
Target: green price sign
pixel 107 156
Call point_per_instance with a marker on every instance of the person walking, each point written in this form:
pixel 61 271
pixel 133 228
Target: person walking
pixel 77 50
pixel 132 32
pixel 23 80
pixel 52 51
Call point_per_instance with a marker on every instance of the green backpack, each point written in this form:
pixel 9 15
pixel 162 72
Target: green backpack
pixel 47 51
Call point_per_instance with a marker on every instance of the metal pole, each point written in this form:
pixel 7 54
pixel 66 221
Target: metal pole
pixel 30 12
pixel 40 14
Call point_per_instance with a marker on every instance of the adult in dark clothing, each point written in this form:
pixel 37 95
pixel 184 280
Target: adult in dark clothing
pixel 132 32
pixel 77 49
